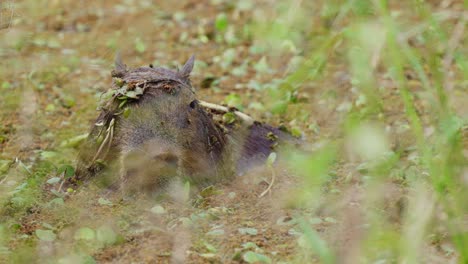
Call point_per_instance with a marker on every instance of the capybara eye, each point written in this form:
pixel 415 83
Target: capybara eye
pixel 193 104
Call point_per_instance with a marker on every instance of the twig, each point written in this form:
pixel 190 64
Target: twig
pixel 109 133
pixel 23 166
pixel 273 176
pixel 63 181
pixel 9 166
pixel 247 119
pixel 111 127
pixel 4 179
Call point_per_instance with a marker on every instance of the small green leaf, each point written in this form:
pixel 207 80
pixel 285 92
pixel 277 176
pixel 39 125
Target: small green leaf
pixel 294 232
pixel 139 91
pixel 279 107
pixel 48 155
pixel 5 165
pixel 252 257
pixel 210 247
pixel 50 108
pixel 187 187
pixel 6 85
pixel 271 159
pixel 106 235
pixel 67 170
pixel 84 233
pixel 228 58
pixel 262 66
pixel 179 16
pixel 131 94
pixel 248 231
pixel 296 132
pixel 229 118
pixel 234 100
pixel 249 245
pixel 124 101
pixel 57 193
pixel 53 180
pixel 158 209
pixel 88 260
pixel 103 201
pixel 56 201
pixel 20 187
pixel 330 220
pixel 216 232
pixel 186 222
pixel 119 82
pixel 68 101
pixel 48 226
pixel 209 191
pixel 221 22
pixel 315 221
pixel 45 235
pixel 24 167
pixel 257 106
pixel 126 112
pixel 74 141
pixel 53 43
pixel 139 45
pixel 4 250
pixel 208 255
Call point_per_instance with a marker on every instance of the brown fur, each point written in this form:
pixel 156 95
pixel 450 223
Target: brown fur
pixel 167 134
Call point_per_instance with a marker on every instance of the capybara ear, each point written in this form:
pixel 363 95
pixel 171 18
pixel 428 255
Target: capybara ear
pixel 188 67
pixel 120 67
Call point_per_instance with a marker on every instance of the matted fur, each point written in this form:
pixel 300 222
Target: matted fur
pixel 165 133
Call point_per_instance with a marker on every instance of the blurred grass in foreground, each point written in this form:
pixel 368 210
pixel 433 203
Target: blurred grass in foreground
pixel 419 49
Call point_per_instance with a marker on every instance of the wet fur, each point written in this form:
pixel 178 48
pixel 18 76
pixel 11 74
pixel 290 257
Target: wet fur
pixel 167 134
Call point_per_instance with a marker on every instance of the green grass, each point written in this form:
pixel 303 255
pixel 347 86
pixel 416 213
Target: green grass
pixel 368 29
